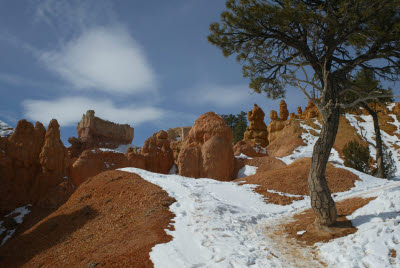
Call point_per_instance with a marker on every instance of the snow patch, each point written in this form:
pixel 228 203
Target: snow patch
pixel 246 171
pixel 19 213
pixel 366 130
pixel 306 150
pixel 243 156
pixel 5 130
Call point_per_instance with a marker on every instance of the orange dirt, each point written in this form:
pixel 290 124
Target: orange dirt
pixel 343 227
pixel 292 179
pixel 265 163
pixel 113 220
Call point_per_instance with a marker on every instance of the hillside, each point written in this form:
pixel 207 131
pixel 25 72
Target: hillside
pixel 134 217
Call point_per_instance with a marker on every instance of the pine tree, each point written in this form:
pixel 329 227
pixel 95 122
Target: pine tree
pixel 314 45
pixel 238 124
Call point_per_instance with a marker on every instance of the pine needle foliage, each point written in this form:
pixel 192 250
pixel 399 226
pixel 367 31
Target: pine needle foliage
pixel 356 156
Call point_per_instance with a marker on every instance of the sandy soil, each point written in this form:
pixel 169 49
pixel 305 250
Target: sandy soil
pixel 113 220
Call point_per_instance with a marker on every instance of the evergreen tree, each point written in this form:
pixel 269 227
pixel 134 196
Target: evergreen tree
pixel 356 156
pixel 314 45
pixel 366 83
pixel 238 124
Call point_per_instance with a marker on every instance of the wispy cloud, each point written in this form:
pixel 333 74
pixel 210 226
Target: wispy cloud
pixel 105 59
pixel 20 81
pixel 218 95
pixel 68 18
pixel 68 111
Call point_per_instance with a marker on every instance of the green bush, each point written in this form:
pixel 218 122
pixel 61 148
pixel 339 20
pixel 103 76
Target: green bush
pixel 389 163
pixel 356 156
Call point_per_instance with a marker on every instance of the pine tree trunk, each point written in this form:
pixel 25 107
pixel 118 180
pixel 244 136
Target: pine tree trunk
pixel 321 199
pixel 380 166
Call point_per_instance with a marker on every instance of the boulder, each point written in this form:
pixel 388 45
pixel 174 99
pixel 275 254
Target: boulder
pixel 283 111
pixel 94 132
pixel 249 149
pixel 207 152
pixel 158 153
pixel 257 132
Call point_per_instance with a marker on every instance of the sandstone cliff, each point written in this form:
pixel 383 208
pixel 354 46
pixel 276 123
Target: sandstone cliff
pixel 94 132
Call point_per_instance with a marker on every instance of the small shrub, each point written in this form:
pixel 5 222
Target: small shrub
pixel 356 156
pixel 389 163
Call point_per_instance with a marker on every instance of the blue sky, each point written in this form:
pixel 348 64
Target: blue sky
pixel 145 63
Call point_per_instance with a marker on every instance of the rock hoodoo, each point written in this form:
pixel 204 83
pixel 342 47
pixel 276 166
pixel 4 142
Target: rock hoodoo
pixel 158 153
pixel 94 132
pixel 283 111
pixel 311 111
pixel 207 152
pixel 257 132
pixel 32 166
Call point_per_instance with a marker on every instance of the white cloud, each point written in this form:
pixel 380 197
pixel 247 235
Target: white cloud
pixel 219 95
pixel 104 59
pixel 69 110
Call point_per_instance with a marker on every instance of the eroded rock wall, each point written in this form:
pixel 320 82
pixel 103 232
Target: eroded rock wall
pixel 94 132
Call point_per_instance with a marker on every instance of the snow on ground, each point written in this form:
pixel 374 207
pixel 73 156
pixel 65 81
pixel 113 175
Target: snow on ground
pixel 120 149
pixel 18 216
pixel 306 150
pixel 217 224
pixel 243 156
pixel 378 233
pixel 224 224
pixel 246 171
pixel 366 130
pixel 5 130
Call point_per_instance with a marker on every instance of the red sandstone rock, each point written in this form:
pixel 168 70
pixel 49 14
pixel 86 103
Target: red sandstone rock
pixel 32 166
pixel 177 137
pixel 257 131
pixel 283 111
pixel 273 115
pixel 94 161
pixel 94 132
pixel 207 151
pixel 135 159
pixel 52 162
pixel 158 153
pixel 299 111
pixel 311 111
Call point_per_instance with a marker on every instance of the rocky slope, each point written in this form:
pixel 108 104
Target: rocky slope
pixel 111 218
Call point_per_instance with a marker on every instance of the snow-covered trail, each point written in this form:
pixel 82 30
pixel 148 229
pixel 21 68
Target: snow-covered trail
pixel 218 224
